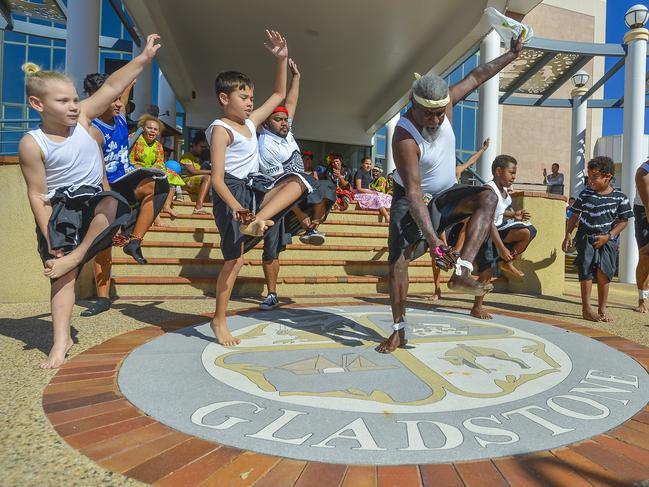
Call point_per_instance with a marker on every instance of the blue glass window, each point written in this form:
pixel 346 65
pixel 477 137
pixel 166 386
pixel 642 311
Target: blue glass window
pixel 40 56
pixel 380 146
pixel 110 23
pixel 13 86
pixel 14 36
pixel 43 41
pixel 468 129
pixel 58 59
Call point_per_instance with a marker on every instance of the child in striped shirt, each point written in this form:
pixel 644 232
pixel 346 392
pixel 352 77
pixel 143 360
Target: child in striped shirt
pixel 603 213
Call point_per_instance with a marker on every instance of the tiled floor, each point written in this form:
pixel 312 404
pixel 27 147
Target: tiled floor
pixel 85 406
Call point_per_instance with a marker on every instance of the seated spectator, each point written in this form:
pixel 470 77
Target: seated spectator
pixel 307 159
pixel 366 198
pixel 379 183
pixel 341 177
pixel 196 178
pixel 148 151
pixel 389 186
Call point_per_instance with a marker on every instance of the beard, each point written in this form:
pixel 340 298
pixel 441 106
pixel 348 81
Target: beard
pixel 430 135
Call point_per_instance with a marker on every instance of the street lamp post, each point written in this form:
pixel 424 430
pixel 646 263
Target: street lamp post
pixel 578 133
pixel 634 102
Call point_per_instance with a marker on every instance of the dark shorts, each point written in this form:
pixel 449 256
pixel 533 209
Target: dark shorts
pixel 404 232
pixel 250 194
pixel 72 212
pixel 281 234
pixel 487 256
pixel 127 184
pixel 641 225
pixel 590 259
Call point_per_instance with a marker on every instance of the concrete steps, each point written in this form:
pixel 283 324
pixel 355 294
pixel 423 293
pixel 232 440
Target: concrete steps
pixel 185 258
pixel 140 286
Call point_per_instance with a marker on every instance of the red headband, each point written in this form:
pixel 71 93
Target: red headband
pixel 280 109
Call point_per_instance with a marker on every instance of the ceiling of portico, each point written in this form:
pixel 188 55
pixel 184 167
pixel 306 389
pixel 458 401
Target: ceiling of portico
pixel 356 56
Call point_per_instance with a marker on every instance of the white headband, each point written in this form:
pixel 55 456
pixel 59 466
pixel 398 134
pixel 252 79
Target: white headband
pixel 425 102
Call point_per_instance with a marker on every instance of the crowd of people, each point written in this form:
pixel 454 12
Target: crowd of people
pixel 106 185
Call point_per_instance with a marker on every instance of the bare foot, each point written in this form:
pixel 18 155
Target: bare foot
pixel 508 268
pixel 394 341
pixel 642 307
pixel 223 335
pixel 157 222
pixel 171 212
pixel 55 268
pixel 587 313
pixel 437 295
pixel 467 285
pixel 256 228
pixel 480 313
pixel 603 315
pixel 57 355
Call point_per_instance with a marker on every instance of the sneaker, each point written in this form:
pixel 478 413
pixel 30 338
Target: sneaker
pixel 101 305
pixel 271 302
pixel 312 237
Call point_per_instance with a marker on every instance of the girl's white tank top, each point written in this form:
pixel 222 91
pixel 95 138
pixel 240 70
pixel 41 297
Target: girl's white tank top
pixel 72 163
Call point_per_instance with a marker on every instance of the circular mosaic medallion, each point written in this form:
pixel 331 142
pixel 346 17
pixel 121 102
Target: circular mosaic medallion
pixel 307 383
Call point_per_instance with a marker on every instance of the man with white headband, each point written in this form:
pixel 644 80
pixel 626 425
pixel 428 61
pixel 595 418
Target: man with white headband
pixel 426 198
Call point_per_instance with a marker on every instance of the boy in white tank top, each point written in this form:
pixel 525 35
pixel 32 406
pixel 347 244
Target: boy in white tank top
pixel 246 203
pixel 509 235
pixel 63 169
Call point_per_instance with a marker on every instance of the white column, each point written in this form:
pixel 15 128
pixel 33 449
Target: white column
pixel 143 87
pixel 166 101
pixel 488 106
pixel 577 143
pixel 82 45
pixel 632 151
pixel 389 132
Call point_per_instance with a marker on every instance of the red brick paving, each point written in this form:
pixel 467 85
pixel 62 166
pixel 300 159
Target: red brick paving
pixel 86 407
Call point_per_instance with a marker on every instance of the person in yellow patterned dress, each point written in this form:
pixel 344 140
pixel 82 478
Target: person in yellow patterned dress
pixel 148 152
pixel 197 180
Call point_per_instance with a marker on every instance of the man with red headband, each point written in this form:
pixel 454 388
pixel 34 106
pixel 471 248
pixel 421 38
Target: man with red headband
pixel 426 199
pixel 279 154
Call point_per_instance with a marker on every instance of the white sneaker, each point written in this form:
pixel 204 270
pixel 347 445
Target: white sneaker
pixel 271 302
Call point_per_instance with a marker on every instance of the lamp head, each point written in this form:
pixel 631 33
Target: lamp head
pixel 636 16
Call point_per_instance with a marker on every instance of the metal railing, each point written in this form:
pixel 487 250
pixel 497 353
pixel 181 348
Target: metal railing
pixel 11 131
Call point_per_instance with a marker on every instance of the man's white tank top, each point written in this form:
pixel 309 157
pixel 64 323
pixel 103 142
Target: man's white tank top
pixel 72 163
pixel 503 203
pixel 437 159
pixel 242 155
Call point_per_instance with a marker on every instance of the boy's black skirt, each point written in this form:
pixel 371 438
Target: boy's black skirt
pixel 72 212
pixel 250 193
pixel 589 259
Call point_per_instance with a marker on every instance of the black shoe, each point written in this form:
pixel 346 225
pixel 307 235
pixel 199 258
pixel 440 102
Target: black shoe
pixel 134 250
pixel 101 305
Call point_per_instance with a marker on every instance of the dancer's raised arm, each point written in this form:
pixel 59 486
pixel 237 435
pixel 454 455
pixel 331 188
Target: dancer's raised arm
pixel 278 47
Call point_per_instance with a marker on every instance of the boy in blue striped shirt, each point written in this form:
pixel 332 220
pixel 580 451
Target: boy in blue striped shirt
pixel 603 213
